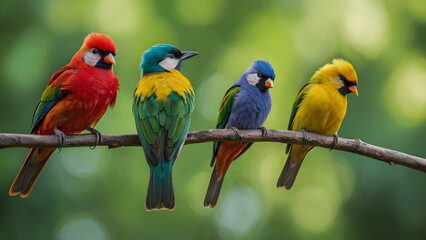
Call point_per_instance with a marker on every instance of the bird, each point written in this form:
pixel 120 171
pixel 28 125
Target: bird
pixel 319 107
pixel 162 105
pixel 75 99
pixel 246 105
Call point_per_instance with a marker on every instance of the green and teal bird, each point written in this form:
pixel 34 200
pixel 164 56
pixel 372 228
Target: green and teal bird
pixel 162 105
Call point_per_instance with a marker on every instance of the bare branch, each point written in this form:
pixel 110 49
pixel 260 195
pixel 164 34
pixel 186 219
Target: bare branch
pixel 112 141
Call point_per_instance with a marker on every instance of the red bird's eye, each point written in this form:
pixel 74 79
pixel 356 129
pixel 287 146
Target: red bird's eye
pixel 95 51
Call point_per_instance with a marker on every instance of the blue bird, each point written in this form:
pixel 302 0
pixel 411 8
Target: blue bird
pixel 162 107
pixel 246 105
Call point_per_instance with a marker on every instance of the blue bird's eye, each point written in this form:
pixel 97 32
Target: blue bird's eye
pixel 259 75
pixel 341 78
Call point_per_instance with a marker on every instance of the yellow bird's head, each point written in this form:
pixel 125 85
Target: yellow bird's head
pixel 339 74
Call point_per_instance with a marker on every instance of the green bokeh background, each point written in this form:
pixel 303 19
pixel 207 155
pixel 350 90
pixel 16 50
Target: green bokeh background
pixel 100 194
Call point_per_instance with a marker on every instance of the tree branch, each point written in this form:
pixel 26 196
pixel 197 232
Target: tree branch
pixel 112 141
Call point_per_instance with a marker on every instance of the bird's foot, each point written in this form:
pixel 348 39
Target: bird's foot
pixel 62 138
pixel 236 132
pixel 305 136
pixel 336 138
pixel 98 137
pixel 264 131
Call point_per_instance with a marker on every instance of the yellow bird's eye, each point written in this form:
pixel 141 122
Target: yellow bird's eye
pixel 341 78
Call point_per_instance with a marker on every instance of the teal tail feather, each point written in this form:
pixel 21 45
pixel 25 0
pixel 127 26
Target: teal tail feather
pixel 160 189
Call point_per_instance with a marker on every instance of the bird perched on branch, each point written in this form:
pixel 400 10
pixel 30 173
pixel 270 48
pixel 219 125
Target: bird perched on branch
pixel 162 106
pixel 320 107
pixel 76 98
pixel 246 105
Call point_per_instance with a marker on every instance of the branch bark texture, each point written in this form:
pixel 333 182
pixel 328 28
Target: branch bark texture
pixel 112 141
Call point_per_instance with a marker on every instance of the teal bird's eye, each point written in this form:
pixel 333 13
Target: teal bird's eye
pixel 341 78
pixel 172 56
pixel 95 51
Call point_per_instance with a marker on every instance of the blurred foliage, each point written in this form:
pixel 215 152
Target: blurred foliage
pixel 100 194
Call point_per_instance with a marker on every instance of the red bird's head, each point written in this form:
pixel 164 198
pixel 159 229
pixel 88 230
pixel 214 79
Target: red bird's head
pixel 98 50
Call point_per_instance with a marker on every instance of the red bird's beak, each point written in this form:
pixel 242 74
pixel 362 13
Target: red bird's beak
pixel 269 83
pixel 109 59
pixel 353 89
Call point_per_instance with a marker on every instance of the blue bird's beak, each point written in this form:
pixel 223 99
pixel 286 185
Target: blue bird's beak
pixel 186 55
pixel 269 83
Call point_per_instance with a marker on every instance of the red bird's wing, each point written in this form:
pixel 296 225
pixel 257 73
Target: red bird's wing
pixel 56 89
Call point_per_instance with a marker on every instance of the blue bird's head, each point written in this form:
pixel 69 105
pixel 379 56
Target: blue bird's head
pixel 162 58
pixel 260 74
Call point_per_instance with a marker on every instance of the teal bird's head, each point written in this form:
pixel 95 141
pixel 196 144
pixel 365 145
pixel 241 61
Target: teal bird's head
pixel 162 58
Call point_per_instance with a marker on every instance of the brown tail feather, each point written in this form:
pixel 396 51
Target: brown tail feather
pixel 213 190
pixel 29 173
pixel 289 173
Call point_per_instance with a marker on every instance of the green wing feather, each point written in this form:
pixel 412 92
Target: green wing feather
pixel 222 118
pixel 225 106
pixel 299 98
pixel 50 97
pixel 162 125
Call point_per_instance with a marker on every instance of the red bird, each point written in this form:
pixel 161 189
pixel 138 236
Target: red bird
pixel 76 98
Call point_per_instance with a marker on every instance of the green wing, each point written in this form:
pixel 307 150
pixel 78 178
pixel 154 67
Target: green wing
pixel 222 118
pixel 50 97
pixel 299 98
pixel 225 106
pixel 162 126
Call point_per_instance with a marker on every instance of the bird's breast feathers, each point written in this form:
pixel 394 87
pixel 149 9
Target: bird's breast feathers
pixel 322 111
pixel 249 109
pixel 91 84
pixel 163 84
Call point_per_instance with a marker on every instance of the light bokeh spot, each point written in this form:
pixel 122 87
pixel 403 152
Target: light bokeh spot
pixel 238 212
pixel 196 189
pixel 405 95
pixel 82 228
pixel 68 16
pixel 313 209
pixel 81 162
pixel 365 25
pixel 119 16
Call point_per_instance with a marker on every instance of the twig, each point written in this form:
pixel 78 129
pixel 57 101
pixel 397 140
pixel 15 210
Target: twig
pixel 112 141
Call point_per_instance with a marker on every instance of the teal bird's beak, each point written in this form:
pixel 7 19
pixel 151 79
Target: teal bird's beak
pixel 187 55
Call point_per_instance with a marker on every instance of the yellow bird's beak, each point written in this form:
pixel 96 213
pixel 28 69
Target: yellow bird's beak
pixel 353 89
pixel 269 83
pixel 109 59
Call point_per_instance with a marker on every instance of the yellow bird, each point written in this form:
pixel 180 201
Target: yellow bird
pixel 320 107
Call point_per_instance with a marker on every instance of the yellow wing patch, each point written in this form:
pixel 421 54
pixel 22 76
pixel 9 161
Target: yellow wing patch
pixel 162 84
